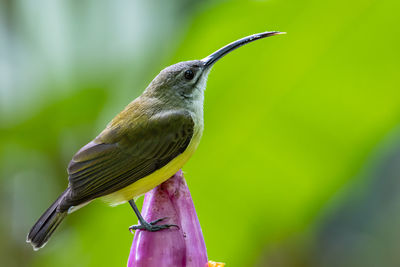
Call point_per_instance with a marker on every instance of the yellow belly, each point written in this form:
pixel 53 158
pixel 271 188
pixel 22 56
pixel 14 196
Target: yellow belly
pixel 149 182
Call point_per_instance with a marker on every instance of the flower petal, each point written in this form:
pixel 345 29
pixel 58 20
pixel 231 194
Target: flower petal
pixel 170 247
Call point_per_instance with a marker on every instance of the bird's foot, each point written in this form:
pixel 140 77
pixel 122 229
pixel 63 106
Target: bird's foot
pixel 151 227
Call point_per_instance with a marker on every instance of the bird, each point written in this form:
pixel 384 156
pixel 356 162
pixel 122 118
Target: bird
pixel 142 146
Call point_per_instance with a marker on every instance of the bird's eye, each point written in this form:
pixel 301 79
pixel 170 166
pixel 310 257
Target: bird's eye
pixel 189 74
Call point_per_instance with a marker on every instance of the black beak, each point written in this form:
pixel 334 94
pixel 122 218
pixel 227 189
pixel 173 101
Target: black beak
pixel 214 57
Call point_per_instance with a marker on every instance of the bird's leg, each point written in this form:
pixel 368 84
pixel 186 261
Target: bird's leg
pixel 149 226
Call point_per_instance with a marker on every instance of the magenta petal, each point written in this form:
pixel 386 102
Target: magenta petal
pixel 171 247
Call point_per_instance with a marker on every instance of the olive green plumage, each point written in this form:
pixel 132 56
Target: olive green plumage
pixel 114 160
pixel 150 132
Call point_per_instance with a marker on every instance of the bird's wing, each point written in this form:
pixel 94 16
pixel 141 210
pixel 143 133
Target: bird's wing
pixel 101 168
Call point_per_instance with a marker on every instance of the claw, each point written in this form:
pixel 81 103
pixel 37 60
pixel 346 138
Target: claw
pixel 151 227
pixel 159 220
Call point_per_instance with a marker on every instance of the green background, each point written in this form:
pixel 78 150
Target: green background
pixel 297 165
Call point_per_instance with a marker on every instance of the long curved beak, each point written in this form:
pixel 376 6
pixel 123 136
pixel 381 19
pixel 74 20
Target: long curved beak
pixel 214 57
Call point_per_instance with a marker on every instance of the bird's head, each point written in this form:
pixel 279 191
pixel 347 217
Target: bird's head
pixel 186 81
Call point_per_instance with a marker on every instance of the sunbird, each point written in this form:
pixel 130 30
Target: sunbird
pixel 144 145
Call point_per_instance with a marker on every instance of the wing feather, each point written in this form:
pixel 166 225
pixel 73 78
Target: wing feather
pixel 102 167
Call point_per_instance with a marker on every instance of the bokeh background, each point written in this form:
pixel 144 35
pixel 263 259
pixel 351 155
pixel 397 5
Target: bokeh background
pixel 300 160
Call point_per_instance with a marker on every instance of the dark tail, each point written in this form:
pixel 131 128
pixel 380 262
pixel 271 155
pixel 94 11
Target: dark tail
pixel 47 223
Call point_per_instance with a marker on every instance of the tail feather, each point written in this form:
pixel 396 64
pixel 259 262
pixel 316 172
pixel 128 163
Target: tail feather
pixel 47 223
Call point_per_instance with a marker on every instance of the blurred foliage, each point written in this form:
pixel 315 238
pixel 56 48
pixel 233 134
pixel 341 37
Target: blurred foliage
pixel 289 121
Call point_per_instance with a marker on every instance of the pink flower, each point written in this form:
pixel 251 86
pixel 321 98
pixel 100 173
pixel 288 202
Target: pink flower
pixel 170 247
